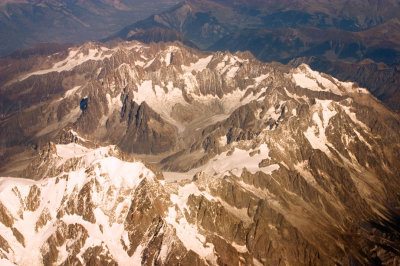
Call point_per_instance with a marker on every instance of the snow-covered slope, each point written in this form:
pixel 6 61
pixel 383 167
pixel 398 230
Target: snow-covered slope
pixel 90 211
pixel 93 199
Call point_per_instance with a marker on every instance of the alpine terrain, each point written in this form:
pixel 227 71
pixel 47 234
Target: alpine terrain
pixel 354 40
pixel 124 153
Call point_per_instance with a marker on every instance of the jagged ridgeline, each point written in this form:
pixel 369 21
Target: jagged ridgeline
pixel 125 153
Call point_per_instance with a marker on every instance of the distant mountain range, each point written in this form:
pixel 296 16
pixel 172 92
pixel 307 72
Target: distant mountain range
pixel 26 22
pixel 336 32
pixel 207 21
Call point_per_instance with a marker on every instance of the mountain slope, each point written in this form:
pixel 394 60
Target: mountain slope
pixel 253 163
pixel 382 80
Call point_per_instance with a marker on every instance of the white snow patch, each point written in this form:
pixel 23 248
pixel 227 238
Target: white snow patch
pixel 327 110
pixel 296 97
pixel 303 81
pixel 149 63
pixel 301 168
pixel 190 236
pixel 223 140
pixel 232 72
pixel 261 192
pixel 136 257
pixel 74 59
pixel 316 134
pixel 354 118
pixel 234 163
pixel 185 191
pixel 71 92
pixel 256 262
pixel 228 62
pixel 167 55
pixel 317 142
pixel 5 262
pixel 363 139
pixel 140 63
pixel 70 150
pixel 259 79
pixel 200 65
pixel 168 59
pixel 160 101
pixel 73 132
pixel 239 248
pixel 165 250
pixel 190 82
pixel 113 103
pixel 305 77
pixel 273 113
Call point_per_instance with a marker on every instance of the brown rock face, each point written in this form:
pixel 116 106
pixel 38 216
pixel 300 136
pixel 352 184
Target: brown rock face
pixel 146 131
pixel 6 218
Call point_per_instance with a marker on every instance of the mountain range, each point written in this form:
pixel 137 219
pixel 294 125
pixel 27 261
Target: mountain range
pixel 342 34
pixel 208 132
pixel 25 22
pixel 333 31
pixel 128 153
